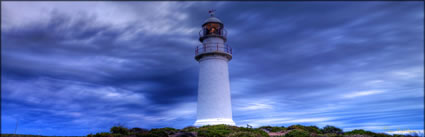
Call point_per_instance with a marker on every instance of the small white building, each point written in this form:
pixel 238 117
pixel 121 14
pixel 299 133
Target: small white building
pixel 214 101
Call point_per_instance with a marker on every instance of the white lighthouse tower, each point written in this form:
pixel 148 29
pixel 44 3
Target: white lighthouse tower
pixel 214 103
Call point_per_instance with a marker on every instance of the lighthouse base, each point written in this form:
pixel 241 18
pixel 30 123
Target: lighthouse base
pixel 214 121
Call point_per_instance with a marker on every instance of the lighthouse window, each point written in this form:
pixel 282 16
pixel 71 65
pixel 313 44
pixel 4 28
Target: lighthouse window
pixel 213 28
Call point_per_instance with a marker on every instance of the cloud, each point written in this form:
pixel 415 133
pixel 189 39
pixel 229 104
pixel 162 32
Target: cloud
pixel 256 107
pixel 286 121
pixel 308 120
pixel 95 64
pixel 403 132
pixel 362 93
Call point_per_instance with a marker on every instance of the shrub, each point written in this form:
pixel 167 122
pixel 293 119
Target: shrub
pixel 297 133
pixel 138 130
pixel 312 129
pixel 158 133
pixel 296 127
pixel 215 130
pixel 207 133
pixel 366 133
pixel 261 132
pixel 213 133
pixel 359 132
pixel 356 135
pixel 331 129
pixel 148 135
pixel 185 134
pixel 381 135
pixel 119 130
pixel 277 129
pixel 168 130
pixel 253 131
pixel 244 134
pixel 118 135
pixel 268 128
pixel 218 127
pixel 190 129
pixel 103 134
pixel 333 135
pixel 226 129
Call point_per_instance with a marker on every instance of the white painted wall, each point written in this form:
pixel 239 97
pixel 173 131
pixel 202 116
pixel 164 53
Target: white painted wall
pixel 214 101
pixel 213 40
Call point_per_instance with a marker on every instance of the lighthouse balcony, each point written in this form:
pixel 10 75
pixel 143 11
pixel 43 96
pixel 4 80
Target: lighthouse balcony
pixel 213 49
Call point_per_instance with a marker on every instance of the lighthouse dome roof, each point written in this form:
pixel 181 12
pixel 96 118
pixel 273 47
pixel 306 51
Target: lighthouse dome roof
pixel 212 19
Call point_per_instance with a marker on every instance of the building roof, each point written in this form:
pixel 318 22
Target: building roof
pixel 213 19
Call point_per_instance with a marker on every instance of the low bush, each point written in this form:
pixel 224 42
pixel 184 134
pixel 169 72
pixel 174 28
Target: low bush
pixel 213 133
pixel 185 134
pixel 119 130
pixel 168 130
pixel 277 129
pixel 268 128
pixel 297 133
pixel 333 135
pixel 226 130
pixel 312 129
pixel 359 132
pixel 356 135
pixel 158 133
pixel 118 135
pixel 218 127
pixel 381 135
pixel 256 131
pixel 215 130
pixel 244 134
pixel 138 130
pixel 148 135
pixel 296 127
pixel 103 134
pixel 366 133
pixel 190 129
pixel 331 129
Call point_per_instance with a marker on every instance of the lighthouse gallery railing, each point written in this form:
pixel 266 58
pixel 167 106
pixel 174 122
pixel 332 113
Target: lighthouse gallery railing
pixel 213 47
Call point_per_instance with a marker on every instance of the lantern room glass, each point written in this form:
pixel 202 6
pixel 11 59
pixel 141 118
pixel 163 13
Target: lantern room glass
pixel 213 29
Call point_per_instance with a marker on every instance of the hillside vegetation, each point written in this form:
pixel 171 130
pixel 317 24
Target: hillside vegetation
pixel 233 131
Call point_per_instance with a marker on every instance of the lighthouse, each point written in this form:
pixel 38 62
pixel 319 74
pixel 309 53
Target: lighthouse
pixel 214 101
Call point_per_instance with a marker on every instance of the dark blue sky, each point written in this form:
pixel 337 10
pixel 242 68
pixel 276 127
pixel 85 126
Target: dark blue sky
pixel 74 68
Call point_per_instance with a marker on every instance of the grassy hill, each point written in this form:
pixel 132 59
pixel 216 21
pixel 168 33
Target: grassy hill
pixel 233 131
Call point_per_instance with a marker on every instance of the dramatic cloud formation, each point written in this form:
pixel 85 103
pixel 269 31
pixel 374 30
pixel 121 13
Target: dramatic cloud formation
pixel 74 68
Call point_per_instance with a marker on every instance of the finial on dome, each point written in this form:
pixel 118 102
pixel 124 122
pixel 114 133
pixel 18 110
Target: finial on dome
pixel 211 12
